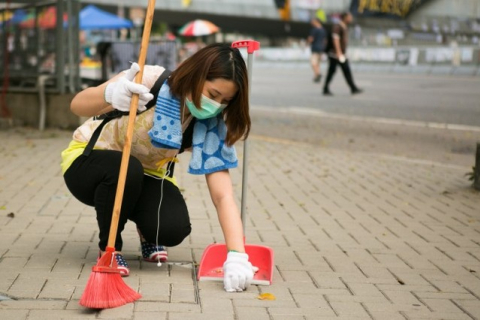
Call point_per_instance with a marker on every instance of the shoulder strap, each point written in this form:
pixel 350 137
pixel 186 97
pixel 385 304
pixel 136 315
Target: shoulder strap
pixel 95 135
pixel 106 117
pixel 156 88
pixel 187 140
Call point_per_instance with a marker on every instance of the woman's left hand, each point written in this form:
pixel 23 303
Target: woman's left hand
pixel 119 93
pixel 238 272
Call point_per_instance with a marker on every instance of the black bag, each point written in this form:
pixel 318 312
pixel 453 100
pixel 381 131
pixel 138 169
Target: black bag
pixel 328 26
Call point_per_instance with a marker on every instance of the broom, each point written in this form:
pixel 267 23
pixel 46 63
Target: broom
pixel 105 287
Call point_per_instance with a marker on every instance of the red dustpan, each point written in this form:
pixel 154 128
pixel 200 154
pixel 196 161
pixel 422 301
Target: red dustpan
pixel 211 264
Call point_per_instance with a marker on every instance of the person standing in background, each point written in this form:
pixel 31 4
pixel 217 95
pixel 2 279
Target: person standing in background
pixel 316 39
pixel 336 50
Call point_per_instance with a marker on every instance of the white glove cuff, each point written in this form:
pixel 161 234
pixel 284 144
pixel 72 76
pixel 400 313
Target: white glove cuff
pixel 237 256
pixel 108 93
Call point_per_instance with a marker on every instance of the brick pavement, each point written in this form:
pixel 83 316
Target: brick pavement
pixel 355 235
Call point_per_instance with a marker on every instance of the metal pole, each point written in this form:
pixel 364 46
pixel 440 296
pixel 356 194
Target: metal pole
pixel 60 45
pixel 476 173
pixel 245 147
pixel 42 100
pixel 76 42
pixel 71 65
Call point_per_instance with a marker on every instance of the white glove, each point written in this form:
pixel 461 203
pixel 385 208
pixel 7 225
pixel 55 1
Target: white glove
pixel 119 93
pixel 342 59
pixel 237 271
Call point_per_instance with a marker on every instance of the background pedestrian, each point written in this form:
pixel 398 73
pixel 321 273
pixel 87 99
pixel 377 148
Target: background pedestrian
pixel 336 50
pixel 317 40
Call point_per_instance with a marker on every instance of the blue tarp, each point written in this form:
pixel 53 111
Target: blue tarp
pixel 18 16
pixel 92 17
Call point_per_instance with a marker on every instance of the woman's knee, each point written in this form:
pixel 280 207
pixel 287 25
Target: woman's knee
pixel 170 236
pixel 173 238
pixel 135 171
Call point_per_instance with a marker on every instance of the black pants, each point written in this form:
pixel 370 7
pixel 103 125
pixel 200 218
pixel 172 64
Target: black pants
pixel 332 67
pixel 93 180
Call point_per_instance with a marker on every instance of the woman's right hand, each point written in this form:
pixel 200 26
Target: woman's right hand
pixel 238 272
pixel 119 93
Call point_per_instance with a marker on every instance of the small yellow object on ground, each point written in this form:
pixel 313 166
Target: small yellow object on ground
pixel 266 296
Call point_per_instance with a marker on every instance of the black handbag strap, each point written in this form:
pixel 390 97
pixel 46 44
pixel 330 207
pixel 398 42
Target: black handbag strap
pixel 156 88
pixel 95 135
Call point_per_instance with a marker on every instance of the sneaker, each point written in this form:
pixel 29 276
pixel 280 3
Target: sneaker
pixel 121 264
pixel 327 93
pixel 317 78
pixel 154 253
pixel 357 91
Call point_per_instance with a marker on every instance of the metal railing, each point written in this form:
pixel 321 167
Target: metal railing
pixel 40 38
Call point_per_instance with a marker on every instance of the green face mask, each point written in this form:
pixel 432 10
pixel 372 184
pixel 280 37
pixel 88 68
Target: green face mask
pixel 210 108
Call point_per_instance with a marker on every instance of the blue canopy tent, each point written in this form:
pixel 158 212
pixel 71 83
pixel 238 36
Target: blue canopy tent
pixel 92 17
pixel 18 16
pixel 12 18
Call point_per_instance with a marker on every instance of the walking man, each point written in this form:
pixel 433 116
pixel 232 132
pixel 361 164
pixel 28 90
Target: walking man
pixel 336 49
pixel 316 39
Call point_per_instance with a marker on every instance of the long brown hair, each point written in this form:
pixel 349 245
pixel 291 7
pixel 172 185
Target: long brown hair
pixel 216 61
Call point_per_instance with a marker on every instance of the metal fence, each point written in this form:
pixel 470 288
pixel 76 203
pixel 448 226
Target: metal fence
pixel 117 56
pixel 39 40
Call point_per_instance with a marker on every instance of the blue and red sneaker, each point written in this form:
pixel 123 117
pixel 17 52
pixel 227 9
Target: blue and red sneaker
pixel 153 253
pixel 121 264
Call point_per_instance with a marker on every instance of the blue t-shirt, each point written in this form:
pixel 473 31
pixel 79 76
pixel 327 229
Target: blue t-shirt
pixel 318 43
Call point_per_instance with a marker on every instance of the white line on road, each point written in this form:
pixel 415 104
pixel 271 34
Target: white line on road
pixel 409 123
pixel 366 98
pixel 365 153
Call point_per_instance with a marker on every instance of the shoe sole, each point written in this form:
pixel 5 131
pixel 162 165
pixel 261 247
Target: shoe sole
pixel 124 271
pixel 156 256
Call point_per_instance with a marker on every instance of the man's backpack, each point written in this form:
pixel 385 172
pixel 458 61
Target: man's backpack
pixel 328 27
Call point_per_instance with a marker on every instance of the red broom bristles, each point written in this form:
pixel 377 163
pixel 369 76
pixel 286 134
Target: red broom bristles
pixel 105 287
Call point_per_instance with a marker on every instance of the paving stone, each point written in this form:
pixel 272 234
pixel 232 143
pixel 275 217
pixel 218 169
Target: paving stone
pixel 150 316
pixel 58 289
pixel 122 312
pixel 14 314
pixel 32 305
pixel 189 316
pixel 435 315
pixel 319 312
pixel 386 315
pixel 471 307
pixel 442 305
pixel 401 297
pixel 348 308
pixel 246 313
pixel 388 307
pixel 61 314
pixel 155 291
pixel 141 306
pixel 217 306
pixel 355 236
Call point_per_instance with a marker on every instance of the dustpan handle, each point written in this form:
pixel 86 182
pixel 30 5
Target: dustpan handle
pixel 251 46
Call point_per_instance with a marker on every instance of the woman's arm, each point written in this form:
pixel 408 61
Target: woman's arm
pixel 221 190
pixel 237 270
pixel 116 93
pixel 91 101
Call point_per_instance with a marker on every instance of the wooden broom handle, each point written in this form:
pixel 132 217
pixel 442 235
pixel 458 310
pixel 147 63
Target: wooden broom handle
pixel 131 123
